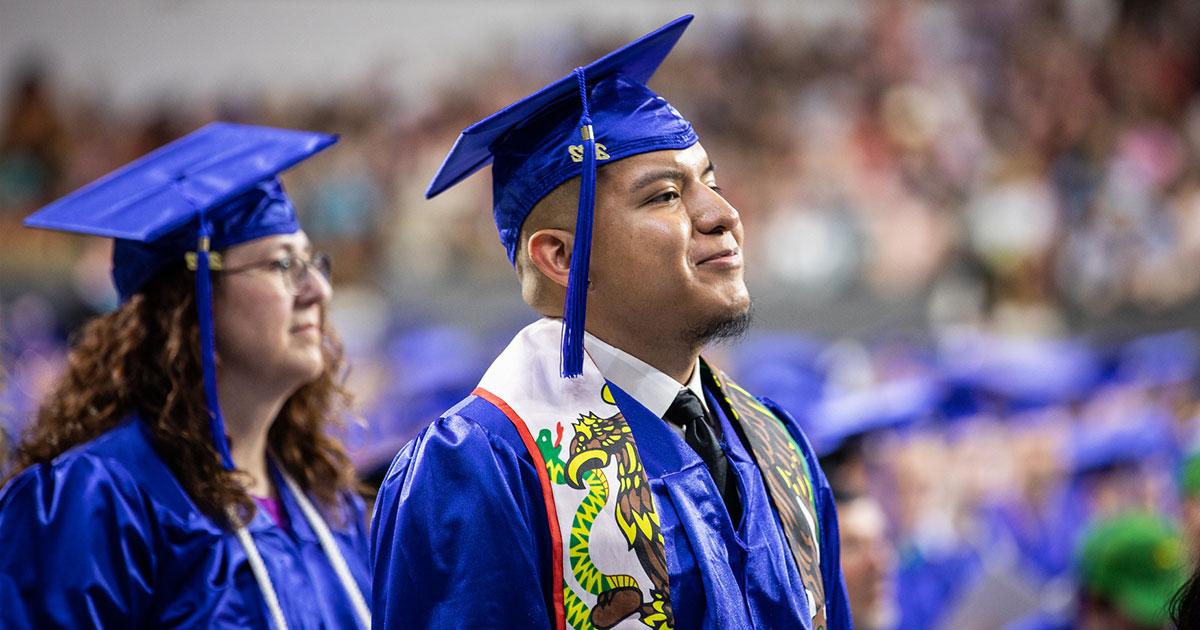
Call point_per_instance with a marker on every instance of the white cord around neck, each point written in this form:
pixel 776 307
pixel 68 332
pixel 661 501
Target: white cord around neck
pixel 260 574
pixel 328 544
pixel 331 550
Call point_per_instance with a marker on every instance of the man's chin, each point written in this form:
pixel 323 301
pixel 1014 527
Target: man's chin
pixel 721 327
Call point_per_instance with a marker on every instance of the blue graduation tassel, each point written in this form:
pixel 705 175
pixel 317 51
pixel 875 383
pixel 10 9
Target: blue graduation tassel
pixel 575 308
pixel 208 361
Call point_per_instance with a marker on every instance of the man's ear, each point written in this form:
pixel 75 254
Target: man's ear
pixel 550 252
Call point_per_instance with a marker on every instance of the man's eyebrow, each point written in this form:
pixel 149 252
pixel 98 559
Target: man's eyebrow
pixel 656 176
pixel 667 173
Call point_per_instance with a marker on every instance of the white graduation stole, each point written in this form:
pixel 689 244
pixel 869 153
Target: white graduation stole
pixel 607 543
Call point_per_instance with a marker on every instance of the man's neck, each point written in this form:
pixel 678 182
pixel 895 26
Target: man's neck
pixel 674 360
pixel 648 385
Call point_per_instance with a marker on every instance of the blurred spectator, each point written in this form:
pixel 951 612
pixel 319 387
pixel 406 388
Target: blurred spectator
pixel 1130 566
pixel 868 563
pixel 1185 607
pixel 33 144
pixel 1190 489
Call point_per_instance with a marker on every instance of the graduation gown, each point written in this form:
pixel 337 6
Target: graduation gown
pixel 461 538
pixel 105 537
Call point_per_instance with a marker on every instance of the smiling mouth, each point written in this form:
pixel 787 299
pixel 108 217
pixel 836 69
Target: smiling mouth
pixel 727 256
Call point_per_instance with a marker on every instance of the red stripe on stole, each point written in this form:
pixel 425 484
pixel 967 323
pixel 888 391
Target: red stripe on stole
pixel 560 615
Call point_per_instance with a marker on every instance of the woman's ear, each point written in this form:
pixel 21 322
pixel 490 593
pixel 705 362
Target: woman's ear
pixel 550 252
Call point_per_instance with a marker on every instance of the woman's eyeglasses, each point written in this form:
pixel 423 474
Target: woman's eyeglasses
pixel 293 268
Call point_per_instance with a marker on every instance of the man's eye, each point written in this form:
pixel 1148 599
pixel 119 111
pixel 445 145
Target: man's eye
pixel 283 264
pixel 717 189
pixel 670 195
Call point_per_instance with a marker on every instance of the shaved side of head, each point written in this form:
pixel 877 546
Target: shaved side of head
pixel 555 211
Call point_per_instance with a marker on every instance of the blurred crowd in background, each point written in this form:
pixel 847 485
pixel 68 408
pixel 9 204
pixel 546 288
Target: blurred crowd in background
pixel 1012 171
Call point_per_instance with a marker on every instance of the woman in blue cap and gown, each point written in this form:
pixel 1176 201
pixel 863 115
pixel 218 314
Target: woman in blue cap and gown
pixel 181 473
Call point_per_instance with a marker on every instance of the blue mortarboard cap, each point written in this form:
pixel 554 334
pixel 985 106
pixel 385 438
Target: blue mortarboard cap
pixel 214 188
pixel 1023 373
pixel 1160 359
pixel 785 367
pixel 153 206
pixel 600 112
pixel 1095 448
pixel 891 405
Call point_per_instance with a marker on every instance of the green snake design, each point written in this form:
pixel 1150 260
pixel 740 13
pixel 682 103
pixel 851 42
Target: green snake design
pixel 586 573
pixel 596 441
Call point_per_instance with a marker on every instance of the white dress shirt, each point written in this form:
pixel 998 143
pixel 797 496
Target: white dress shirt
pixel 644 382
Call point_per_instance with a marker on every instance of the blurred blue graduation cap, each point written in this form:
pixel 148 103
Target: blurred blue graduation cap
pixel 1023 374
pixel 785 367
pixel 893 405
pixel 1097 448
pixel 431 368
pixel 212 189
pixel 1159 359
pixel 600 112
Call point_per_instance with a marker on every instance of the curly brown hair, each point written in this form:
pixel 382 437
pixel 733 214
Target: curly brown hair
pixel 144 358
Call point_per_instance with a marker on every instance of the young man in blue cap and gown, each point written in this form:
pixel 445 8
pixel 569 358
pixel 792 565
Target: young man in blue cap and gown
pixel 556 495
pixel 151 497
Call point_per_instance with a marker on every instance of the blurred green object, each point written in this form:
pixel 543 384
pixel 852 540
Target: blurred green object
pixel 1189 480
pixel 1135 561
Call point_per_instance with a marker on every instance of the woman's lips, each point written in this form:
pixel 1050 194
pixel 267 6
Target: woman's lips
pixel 302 329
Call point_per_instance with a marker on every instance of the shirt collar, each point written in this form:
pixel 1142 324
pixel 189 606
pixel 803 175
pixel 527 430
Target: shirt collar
pixel 645 383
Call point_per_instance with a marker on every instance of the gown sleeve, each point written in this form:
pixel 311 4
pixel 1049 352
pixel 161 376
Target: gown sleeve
pixel 76 548
pixel 458 534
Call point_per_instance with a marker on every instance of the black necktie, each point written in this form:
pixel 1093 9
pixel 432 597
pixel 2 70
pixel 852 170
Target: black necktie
pixel 686 411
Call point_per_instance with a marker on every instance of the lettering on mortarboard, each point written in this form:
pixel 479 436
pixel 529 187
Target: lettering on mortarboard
pixel 576 151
